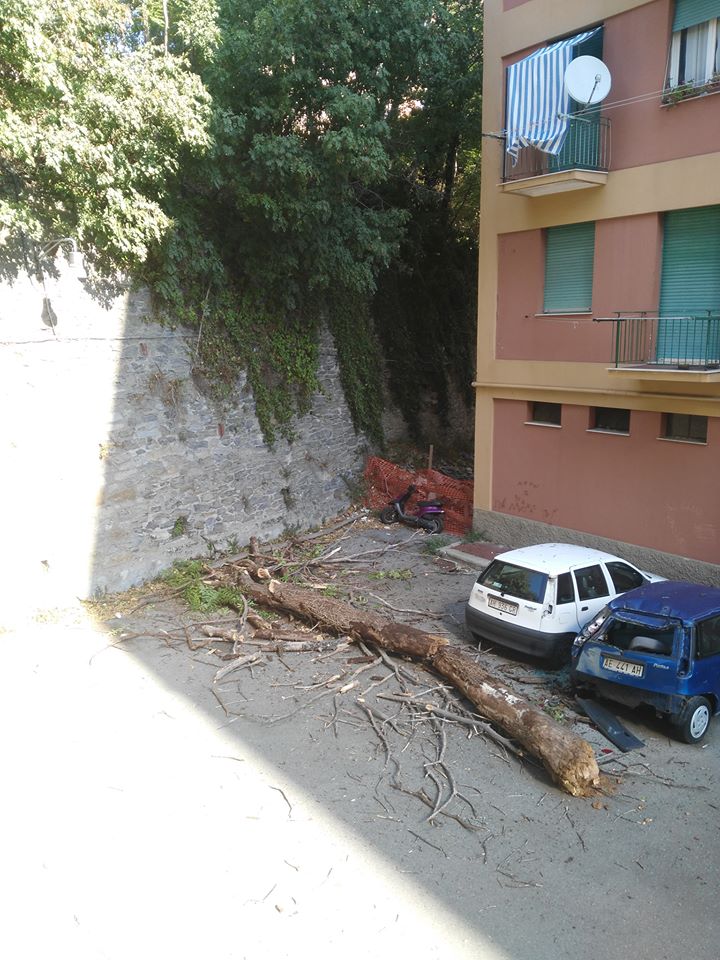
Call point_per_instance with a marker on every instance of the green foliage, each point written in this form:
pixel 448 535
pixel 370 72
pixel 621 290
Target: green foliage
pixel 94 129
pixel 187 577
pixel 179 527
pixel 425 306
pixel 554 708
pixel 360 361
pixel 435 543
pixel 403 574
pixel 266 166
pixel 476 536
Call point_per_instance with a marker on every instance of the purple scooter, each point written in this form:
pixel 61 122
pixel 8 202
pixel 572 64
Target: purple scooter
pixel 427 514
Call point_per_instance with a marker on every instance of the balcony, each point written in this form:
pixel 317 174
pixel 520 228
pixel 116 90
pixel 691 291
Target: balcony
pixel 583 162
pixel 679 347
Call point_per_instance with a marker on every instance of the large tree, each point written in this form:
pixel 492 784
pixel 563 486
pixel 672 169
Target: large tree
pixel 259 163
pixel 95 128
pixel 426 299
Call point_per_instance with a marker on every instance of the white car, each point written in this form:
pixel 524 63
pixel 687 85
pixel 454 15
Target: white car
pixel 537 599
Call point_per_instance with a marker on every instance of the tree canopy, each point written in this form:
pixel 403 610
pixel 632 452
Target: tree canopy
pixel 264 165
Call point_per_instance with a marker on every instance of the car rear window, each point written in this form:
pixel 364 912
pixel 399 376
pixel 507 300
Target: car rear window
pixel 640 638
pixel 514 581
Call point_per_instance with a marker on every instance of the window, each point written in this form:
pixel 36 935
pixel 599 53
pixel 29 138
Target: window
pixel 708 637
pixel 569 255
pixel 520 582
pixel 689 333
pixel 642 638
pixel 565 589
pixel 545 413
pixel 694 50
pixel 611 419
pixel 684 426
pixel 591 583
pixel 623 576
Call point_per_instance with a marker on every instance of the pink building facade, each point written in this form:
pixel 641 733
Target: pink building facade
pixel 598 384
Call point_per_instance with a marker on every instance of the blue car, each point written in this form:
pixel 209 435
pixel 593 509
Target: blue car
pixel 657 645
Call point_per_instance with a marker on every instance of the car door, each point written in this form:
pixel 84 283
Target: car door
pixel 592 591
pixel 706 666
pixel 565 614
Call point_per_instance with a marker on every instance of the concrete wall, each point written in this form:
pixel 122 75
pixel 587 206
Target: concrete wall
pixel 626 278
pixel 115 464
pixel 642 132
pixel 513 531
pixel 634 488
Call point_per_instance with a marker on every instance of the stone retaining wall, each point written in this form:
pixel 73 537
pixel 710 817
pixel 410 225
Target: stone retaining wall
pixel 116 463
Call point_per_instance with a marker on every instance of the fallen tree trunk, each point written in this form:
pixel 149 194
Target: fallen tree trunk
pixel 568 758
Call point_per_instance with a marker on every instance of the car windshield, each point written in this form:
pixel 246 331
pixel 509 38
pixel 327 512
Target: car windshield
pixel 508 578
pixel 646 637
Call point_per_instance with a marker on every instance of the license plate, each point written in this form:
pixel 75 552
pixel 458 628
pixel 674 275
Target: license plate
pixel 505 605
pixel 622 666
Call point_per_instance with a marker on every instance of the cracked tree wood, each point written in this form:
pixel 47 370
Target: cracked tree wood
pixel 568 758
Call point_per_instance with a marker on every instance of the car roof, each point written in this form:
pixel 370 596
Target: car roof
pixel 672 598
pixel 554 558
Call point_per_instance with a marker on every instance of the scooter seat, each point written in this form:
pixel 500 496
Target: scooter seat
pixel 429 503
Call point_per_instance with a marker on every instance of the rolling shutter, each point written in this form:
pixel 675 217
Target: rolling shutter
pixel 569 254
pixel 688 13
pixel 690 284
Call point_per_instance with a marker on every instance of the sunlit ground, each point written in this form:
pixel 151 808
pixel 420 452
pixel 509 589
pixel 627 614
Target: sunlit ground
pixel 135 826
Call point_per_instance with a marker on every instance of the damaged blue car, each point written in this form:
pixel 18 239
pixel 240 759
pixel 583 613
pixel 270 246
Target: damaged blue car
pixel 657 645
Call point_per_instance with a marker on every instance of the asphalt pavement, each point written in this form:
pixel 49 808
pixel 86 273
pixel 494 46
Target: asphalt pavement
pixel 143 818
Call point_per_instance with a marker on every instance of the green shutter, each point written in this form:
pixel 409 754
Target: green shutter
pixel 690 284
pixel 569 253
pixel 690 12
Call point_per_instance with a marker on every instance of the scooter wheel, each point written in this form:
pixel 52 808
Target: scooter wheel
pixel 389 515
pixel 437 524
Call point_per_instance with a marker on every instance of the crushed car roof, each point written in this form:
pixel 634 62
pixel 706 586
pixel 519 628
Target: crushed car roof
pixel 673 598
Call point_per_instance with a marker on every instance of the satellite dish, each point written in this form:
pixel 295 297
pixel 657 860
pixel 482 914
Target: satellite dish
pixel 587 80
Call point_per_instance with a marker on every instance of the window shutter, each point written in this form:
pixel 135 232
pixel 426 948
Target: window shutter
pixel 569 253
pixel 690 284
pixel 691 262
pixel 690 12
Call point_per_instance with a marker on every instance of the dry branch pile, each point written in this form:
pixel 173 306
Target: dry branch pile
pixel 568 758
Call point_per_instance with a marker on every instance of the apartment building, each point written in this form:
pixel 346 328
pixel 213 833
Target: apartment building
pixel 598 371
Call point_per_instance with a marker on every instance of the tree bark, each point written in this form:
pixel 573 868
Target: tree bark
pixel 569 759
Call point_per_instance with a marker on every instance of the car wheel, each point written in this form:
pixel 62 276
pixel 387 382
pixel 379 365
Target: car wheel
pixel 693 722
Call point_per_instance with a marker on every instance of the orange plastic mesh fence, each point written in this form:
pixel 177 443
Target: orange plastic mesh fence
pixel 387 480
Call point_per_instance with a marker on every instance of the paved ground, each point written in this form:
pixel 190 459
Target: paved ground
pixel 140 819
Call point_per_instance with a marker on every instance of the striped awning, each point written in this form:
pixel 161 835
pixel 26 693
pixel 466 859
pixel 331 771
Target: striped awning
pixel 537 104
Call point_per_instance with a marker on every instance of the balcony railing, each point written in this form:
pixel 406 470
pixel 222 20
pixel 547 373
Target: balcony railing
pixel 673 343
pixel 586 147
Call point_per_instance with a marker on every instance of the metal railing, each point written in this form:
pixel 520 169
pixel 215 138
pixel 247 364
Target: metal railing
pixel 674 342
pixel 586 147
